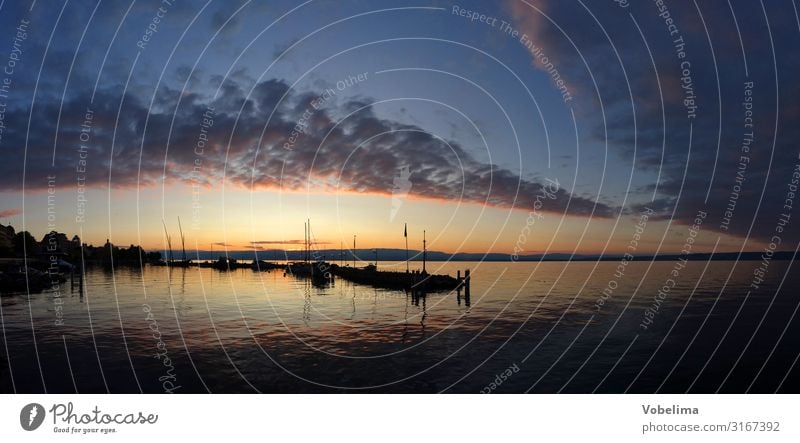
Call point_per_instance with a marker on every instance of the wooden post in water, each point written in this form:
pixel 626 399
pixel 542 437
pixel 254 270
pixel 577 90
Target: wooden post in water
pixel 459 284
pixel 80 281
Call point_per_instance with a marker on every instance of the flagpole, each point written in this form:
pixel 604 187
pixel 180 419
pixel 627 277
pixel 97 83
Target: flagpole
pixel 308 243
pixel 424 251
pixel 405 234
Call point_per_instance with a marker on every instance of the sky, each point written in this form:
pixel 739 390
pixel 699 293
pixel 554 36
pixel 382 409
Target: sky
pixel 511 126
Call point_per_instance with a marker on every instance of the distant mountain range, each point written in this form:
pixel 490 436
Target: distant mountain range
pixel 398 255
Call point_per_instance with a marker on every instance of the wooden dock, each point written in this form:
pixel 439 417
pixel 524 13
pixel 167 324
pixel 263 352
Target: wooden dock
pixel 415 281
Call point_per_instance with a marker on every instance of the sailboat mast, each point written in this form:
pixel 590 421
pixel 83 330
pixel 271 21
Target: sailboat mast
pixel 183 240
pixel 169 241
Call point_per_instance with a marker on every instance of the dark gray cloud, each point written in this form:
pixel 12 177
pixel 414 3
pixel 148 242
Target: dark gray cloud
pixel 649 120
pixel 363 153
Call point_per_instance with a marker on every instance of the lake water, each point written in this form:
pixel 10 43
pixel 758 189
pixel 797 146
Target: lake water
pixel 527 327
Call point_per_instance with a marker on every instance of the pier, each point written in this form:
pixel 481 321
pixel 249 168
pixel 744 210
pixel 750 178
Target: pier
pixel 325 272
pixel 321 272
pixel 415 281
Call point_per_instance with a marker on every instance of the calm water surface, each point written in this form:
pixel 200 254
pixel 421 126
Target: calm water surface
pixel 247 331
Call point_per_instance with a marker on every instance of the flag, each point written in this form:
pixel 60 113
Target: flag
pixel 405 230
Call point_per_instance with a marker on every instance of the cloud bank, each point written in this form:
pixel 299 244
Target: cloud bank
pixel 241 138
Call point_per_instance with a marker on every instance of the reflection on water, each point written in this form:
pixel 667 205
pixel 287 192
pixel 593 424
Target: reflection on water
pixel 246 331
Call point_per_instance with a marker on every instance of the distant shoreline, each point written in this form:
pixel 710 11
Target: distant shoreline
pixel 399 255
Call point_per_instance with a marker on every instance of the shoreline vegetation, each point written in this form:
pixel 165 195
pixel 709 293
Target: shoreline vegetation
pixel 31 266
pixel 57 247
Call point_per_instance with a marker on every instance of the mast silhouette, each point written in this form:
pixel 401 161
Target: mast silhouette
pixel 405 234
pixel 424 251
pixel 169 241
pixel 183 240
